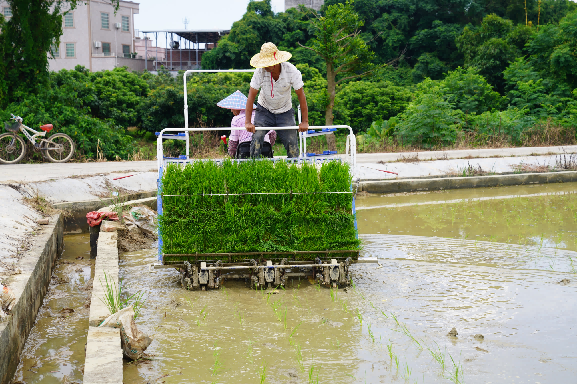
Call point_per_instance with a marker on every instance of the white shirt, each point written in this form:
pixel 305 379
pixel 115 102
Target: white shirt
pixel 280 101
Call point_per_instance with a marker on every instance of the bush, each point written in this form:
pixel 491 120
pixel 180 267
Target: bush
pixel 429 121
pixel 360 103
pixel 195 222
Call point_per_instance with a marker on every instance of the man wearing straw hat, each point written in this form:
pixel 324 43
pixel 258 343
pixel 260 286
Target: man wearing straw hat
pixel 275 78
pixel 239 139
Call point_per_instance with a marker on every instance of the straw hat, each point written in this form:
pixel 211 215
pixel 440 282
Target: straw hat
pixel 269 55
pixel 235 101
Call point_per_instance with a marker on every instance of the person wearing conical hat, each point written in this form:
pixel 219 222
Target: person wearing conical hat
pixel 239 140
pixel 274 78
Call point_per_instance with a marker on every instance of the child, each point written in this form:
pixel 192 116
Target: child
pixel 239 140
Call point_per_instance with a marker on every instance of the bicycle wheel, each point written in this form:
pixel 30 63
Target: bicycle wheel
pixel 59 148
pixel 12 148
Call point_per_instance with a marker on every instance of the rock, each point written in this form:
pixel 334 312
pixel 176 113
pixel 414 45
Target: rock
pixel 478 336
pixel 564 282
pixel 42 221
pixel 453 332
pixel 110 226
pixel 481 350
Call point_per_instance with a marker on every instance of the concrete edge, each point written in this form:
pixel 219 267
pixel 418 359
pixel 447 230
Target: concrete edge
pixel 437 184
pixel 29 287
pixel 94 205
pixel 104 357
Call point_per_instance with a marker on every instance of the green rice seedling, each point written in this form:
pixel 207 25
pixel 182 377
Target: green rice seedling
pixel 396 361
pixel 359 317
pixel 263 373
pixel 312 371
pixel 457 373
pixel 407 372
pixel 334 296
pixel 284 319
pixel 217 365
pixel 438 356
pixel 275 206
pixel 344 305
pixel 371 333
pixel 395 318
pixel 249 352
pixel 294 330
pixel 390 350
pixel 299 357
pixel 384 314
pixel 113 297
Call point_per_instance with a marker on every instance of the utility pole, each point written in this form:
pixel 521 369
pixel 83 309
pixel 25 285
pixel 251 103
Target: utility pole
pixel 185 21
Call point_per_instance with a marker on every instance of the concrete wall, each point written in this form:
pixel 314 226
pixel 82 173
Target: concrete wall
pixel 314 4
pixel 29 287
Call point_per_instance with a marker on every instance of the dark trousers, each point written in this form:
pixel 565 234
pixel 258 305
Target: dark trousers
pixel 264 118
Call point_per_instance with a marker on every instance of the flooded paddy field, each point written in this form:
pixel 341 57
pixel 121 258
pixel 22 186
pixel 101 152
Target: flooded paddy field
pixel 498 265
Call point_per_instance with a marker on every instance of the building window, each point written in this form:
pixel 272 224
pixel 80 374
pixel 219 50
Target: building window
pixel 7 12
pixel 55 50
pixel 125 24
pixel 104 21
pixel 69 20
pixel 106 49
pixel 126 50
pixel 70 50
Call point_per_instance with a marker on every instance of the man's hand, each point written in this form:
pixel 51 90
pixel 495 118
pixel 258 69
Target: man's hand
pixel 250 127
pixel 304 126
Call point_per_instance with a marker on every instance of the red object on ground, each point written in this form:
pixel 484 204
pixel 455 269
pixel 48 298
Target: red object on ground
pixel 95 218
pixel 46 127
pixel 122 177
pixel 223 138
pixel 394 173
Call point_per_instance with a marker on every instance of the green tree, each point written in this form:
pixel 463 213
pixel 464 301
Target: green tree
pixel 337 40
pixel 469 91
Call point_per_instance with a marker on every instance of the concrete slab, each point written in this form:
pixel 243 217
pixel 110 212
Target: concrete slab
pixel 105 267
pixel 103 364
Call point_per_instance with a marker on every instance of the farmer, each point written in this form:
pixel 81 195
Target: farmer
pixel 239 140
pixel 275 77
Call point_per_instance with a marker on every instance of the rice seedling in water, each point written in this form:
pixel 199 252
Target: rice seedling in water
pixel 312 370
pixel 263 373
pixel 457 373
pixel 371 333
pixel 113 297
pixel 299 357
pixel 390 351
pixel 439 357
pixel 249 352
pixel 407 372
pixel 334 292
pixel 217 363
pixel 294 331
pixel 360 317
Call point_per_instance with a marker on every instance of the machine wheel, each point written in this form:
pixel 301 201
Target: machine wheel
pixel 59 148
pixel 12 148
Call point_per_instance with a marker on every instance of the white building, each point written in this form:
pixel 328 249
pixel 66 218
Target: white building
pixel 314 4
pixel 95 36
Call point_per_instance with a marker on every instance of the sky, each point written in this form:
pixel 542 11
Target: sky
pixel 201 14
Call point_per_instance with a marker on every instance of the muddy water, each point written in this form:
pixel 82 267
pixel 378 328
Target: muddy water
pixel 442 265
pixel 54 351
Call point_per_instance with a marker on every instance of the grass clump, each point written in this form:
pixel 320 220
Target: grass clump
pixel 264 207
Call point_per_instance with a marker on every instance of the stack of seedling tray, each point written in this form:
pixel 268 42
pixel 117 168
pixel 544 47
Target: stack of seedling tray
pixel 239 210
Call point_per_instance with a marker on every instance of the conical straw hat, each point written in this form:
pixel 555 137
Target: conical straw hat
pixel 269 55
pixel 235 101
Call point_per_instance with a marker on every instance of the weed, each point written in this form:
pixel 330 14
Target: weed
pixel 113 297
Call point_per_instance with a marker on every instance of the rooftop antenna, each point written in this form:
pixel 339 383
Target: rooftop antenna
pixel 185 21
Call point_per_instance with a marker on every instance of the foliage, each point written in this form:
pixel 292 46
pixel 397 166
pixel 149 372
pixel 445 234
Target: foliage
pixel 381 129
pixel 360 103
pixel 429 121
pixel 468 91
pixel 195 221
pixel 337 40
